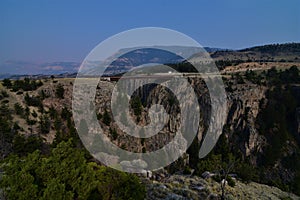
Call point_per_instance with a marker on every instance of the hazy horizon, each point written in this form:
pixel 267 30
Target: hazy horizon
pixel 35 32
pixel 25 67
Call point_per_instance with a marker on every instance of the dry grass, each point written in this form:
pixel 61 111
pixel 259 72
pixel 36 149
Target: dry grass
pixel 256 66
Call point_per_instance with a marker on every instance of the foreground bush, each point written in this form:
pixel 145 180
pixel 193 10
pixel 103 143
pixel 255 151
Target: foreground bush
pixel 65 174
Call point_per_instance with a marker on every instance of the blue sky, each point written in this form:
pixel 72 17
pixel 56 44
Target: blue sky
pixel 57 30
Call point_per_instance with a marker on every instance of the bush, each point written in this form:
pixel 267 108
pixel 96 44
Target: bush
pixel 217 178
pixel 106 118
pixel 239 78
pixel 19 110
pixel 136 105
pixel 7 83
pixel 4 94
pixel 43 94
pixel 45 124
pixel 59 92
pixel 6 101
pixel 230 181
pixel 52 177
pixel 246 172
pixel 22 145
pixel 26 85
pixel 187 170
pixel 113 133
pixel 65 113
pixel 210 163
pixel 33 101
pixel 34 114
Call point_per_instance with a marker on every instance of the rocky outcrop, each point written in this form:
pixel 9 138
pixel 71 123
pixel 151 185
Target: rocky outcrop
pixel 243 108
pixel 244 104
pixel 179 187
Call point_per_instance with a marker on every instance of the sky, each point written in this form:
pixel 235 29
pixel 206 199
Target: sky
pixel 60 30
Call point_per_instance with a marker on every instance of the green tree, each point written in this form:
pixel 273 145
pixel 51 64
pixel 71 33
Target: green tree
pixel 106 119
pixel 246 171
pixel 121 185
pixel 45 124
pixel 66 174
pixel 7 83
pixel 210 163
pixel 19 110
pixel 65 113
pixel 33 101
pixel 56 190
pixel 136 105
pixel 4 94
pixel 19 144
pixel 113 133
pixel 22 145
pixel 59 91
pixel 18 182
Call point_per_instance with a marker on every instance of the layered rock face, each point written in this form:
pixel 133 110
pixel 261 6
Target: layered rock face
pixel 242 106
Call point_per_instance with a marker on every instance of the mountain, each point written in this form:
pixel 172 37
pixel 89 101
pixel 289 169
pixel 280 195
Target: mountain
pixel 3 76
pixel 289 52
pixel 124 63
pixel 139 57
pixel 274 53
pixel 32 68
pixel 59 67
pixel 129 58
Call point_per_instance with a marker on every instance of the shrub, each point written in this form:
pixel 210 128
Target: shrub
pixel 22 145
pixel 187 170
pixel 32 100
pixel 246 172
pixel 210 163
pixel 65 113
pixel 34 114
pixel 106 119
pixel 6 101
pixel 19 110
pixel 26 85
pixel 230 181
pixel 4 94
pixel 52 177
pixel 7 83
pixel 59 91
pixel 113 133
pixel 45 124
pixel 136 105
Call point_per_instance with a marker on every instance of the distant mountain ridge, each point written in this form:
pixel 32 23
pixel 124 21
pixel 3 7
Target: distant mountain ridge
pixel 289 52
pixel 12 68
pixel 272 48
